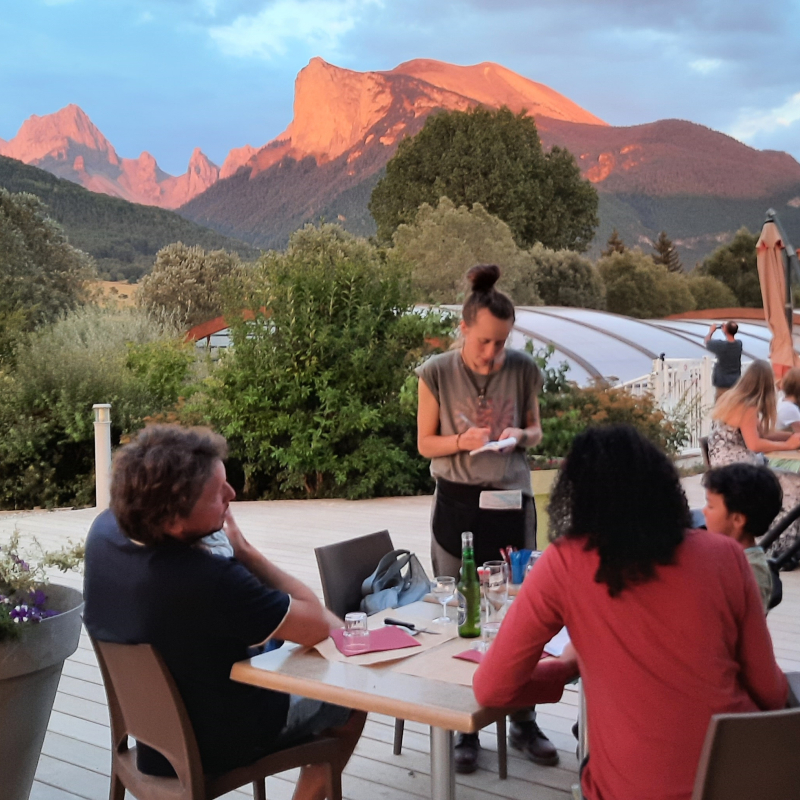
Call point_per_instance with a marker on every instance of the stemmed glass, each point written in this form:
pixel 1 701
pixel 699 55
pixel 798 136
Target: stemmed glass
pixel 444 588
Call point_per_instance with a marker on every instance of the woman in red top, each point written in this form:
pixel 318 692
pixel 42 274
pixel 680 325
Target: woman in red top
pixel 667 622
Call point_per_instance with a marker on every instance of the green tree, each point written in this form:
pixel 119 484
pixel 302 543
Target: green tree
pixel 638 287
pixel 735 265
pixel 494 158
pixel 444 242
pixel 614 244
pixel 311 395
pixel 565 278
pixel 710 293
pixel 664 253
pixel 41 274
pixel 187 283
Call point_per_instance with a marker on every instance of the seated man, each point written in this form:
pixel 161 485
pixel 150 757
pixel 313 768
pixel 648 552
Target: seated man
pixel 146 583
pixel 742 500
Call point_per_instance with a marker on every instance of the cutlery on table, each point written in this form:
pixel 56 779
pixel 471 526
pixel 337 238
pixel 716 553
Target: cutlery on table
pixel 410 626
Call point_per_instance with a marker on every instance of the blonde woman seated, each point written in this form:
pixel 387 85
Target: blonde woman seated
pixel 743 430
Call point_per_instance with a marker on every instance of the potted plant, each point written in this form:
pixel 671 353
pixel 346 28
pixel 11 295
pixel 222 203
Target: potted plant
pixel 40 626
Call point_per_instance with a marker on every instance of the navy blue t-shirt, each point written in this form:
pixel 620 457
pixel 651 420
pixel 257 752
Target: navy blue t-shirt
pixel 201 612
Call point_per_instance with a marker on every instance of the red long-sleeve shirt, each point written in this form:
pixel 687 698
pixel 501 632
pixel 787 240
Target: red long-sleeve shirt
pixel 656 662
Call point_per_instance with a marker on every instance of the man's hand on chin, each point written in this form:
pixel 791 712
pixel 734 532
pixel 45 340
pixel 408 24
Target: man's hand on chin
pixel 235 536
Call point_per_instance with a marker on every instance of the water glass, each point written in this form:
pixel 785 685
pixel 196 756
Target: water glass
pixel 356 633
pixel 443 588
pixel 532 563
pixel 495 588
pixel 489 632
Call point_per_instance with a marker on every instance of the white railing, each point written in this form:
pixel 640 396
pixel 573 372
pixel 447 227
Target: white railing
pixel 681 387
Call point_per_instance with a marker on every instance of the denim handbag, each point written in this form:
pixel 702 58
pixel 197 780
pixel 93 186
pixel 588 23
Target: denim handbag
pixel 398 580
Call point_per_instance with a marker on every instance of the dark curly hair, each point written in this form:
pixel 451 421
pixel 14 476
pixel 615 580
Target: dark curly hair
pixel 483 295
pixel 160 475
pixel 622 495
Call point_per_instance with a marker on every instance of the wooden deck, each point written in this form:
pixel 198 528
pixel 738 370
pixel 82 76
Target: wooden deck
pixel 75 761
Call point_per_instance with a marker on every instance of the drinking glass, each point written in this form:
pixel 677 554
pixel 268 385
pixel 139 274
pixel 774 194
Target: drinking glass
pixel 534 558
pixel 356 633
pixel 444 588
pixel 496 589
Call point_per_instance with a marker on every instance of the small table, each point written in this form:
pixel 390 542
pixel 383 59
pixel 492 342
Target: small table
pixel 785 459
pixel 441 704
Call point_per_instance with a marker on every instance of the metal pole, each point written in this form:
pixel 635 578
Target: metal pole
pixel 443 765
pixel 102 454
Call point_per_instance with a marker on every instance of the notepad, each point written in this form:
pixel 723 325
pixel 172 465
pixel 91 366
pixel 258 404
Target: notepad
pixel 495 447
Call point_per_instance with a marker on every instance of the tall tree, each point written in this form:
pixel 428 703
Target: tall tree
pixel 494 158
pixel 614 244
pixel 666 254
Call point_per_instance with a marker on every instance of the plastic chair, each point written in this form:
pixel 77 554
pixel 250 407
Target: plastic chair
pixel 750 757
pixel 143 702
pixel 704 452
pixel 343 567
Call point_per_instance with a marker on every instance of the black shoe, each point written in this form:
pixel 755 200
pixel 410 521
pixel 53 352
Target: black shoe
pixel 528 737
pixel 466 752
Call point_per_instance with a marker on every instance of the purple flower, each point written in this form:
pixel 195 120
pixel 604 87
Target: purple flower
pixel 38 598
pixel 20 613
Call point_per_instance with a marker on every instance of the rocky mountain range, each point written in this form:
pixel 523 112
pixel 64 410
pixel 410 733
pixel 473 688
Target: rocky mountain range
pixel 697 184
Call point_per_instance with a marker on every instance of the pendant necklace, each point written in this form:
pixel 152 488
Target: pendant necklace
pixel 480 390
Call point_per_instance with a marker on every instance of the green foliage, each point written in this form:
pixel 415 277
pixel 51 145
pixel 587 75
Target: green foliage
pixel 314 397
pixel 122 237
pixel 709 292
pixel 494 158
pixel 46 422
pixel 735 265
pixel 565 278
pixel 186 283
pixel 444 242
pixel 638 287
pixel 664 253
pixel 568 409
pixel 41 275
pixel 614 244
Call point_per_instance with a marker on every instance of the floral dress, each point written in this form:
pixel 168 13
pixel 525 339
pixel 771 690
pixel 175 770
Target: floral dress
pixel 726 445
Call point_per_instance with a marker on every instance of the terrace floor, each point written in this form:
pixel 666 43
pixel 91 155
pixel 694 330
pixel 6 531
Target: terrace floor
pixel 76 759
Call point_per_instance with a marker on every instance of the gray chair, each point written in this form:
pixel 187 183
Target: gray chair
pixel 144 703
pixel 750 757
pixel 343 567
pixel 704 452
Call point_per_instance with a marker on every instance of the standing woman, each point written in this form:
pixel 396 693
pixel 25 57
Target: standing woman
pixel 469 396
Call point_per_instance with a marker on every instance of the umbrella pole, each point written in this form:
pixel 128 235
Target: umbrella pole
pixel 789 255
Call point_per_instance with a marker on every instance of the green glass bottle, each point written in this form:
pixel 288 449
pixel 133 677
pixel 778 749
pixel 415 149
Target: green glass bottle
pixel 470 588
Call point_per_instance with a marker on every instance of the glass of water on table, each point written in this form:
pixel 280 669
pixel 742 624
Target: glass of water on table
pixel 494 583
pixel 443 589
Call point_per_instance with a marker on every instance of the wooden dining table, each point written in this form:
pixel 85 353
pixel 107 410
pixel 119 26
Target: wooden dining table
pixel 430 687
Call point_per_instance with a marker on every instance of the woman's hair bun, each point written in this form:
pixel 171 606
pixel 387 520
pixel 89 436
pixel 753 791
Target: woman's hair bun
pixel 483 277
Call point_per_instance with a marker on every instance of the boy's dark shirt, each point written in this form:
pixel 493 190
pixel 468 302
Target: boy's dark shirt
pixel 201 612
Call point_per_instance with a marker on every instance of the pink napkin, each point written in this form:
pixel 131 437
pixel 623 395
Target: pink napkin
pixel 388 638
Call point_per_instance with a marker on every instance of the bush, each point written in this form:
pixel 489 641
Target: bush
pixel 568 409
pixel 314 395
pixel 735 264
pixel 564 278
pixel 708 292
pixel 90 356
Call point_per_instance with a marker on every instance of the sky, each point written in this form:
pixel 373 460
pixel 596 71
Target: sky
pixel 167 76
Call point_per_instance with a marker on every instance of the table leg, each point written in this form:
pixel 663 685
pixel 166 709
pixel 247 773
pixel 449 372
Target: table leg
pixel 583 733
pixel 443 765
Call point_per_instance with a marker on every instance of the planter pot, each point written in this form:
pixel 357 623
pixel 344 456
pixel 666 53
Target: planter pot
pixel 30 669
pixel 542 481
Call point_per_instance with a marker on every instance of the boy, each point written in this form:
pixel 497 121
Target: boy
pixel 741 502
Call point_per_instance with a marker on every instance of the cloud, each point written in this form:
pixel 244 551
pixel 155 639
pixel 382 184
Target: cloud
pixel 320 24
pixel 753 122
pixel 706 65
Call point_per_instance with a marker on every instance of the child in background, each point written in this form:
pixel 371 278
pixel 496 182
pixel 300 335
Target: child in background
pixel 742 500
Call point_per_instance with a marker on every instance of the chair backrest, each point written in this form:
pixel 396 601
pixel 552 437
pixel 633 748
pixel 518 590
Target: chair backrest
pixel 344 566
pixel 750 756
pixel 704 452
pixel 144 703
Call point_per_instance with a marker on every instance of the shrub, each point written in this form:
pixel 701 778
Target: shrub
pixel 314 395
pixel 90 356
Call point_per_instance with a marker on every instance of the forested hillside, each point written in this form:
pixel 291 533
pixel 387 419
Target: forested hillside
pixel 122 237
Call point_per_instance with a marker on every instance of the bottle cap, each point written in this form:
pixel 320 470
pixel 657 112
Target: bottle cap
pixel 466 539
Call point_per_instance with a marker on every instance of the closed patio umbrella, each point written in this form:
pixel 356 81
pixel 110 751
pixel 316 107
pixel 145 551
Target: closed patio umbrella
pixel 772 274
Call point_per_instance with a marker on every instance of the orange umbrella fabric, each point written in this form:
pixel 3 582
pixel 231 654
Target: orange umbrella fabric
pixel 772 276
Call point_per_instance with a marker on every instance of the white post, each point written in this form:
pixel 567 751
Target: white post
pixel 102 454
